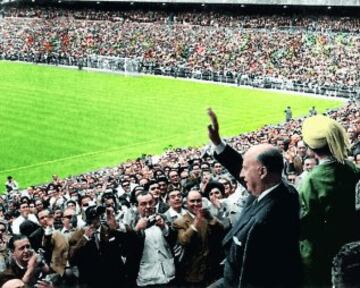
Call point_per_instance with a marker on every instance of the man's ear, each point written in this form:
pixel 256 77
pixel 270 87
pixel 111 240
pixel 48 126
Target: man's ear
pixel 263 172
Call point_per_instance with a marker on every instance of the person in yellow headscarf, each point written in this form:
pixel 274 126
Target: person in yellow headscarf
pixel 328 216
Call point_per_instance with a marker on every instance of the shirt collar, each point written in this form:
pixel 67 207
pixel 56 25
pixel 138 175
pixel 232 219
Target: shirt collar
pixel 19 265
pixel 191 215
pixel 267 191
pixel 173 213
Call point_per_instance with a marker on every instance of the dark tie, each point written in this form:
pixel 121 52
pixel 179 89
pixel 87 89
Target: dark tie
pixel 97 240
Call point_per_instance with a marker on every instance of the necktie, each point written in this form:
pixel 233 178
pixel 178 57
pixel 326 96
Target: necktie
pixel 97 239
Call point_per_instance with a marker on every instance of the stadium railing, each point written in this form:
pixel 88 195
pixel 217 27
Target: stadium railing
pixel 138 65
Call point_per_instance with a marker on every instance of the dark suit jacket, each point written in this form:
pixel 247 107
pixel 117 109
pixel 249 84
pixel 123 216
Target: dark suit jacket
pixel 263 246
pixel 163 207
pixel 103 267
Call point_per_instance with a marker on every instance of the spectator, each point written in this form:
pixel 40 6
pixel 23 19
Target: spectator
pixel 346 266
pixel 24 264
pixel 200 235
pixel 24 215
pixel 288 114
pixel 97 250
pixel 328 199
pixel 11 184
pixel 157 265
pixel 14 283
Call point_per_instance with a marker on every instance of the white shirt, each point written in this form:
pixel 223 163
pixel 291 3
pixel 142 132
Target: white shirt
pixel 19 220
pixel 157 262
pixel 267 191
pixel 174 215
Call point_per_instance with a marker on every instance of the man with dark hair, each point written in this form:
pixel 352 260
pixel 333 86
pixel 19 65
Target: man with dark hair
pixel 97 250
pixel 52 242
pixel 157 265
pixel 24 215
pixel 262 247
pixel 25 263
pixel 174 178
pixel 153 188
pixel 11 184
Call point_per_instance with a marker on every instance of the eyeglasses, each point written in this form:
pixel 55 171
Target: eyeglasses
pixel 85 205
pixel 68 216
pixel 2 230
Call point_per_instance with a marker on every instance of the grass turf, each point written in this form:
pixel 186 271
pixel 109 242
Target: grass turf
pixel 65 122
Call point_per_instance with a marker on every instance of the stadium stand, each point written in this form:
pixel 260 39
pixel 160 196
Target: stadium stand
pixel 318 54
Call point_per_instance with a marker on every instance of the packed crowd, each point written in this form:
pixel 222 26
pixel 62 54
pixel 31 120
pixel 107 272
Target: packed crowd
pixel 83 230
pixel 317 51
pixel 205 18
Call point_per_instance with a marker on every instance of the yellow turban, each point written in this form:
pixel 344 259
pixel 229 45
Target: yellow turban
pixel 320 131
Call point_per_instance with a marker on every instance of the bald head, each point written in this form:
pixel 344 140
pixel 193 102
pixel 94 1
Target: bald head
pixel 13 283
pixel 262 168
pixel 194 201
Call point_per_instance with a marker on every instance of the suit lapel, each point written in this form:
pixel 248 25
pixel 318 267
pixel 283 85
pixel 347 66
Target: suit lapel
pixel 242 220
pixel 253 207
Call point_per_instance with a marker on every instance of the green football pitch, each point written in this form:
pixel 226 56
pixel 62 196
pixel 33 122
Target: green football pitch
pixel 66 122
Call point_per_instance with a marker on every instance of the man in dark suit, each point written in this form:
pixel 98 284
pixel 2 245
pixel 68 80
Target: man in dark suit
pixel 263 245
pixel 97 250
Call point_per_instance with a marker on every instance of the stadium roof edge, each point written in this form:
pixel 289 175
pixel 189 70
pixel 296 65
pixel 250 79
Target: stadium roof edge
pixel 326 3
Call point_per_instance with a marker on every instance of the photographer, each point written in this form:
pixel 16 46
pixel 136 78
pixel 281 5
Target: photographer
pixel 200 234
pixel 157 262
pixel 25 264
pixel 97 249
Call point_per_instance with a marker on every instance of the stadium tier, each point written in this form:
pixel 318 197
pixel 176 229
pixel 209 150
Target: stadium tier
pixel 316 54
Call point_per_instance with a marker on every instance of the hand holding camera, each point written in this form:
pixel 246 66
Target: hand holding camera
pixel 205 213
pixel 142 224
pixel 33 261
pixel 160 222
pixel 110 219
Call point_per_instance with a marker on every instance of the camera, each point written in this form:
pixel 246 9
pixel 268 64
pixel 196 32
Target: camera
pixel 94 212
pixel 151 220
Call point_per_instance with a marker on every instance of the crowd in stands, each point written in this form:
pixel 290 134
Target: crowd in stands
pixel 54 223
pixel 159 221
pixel 319 51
